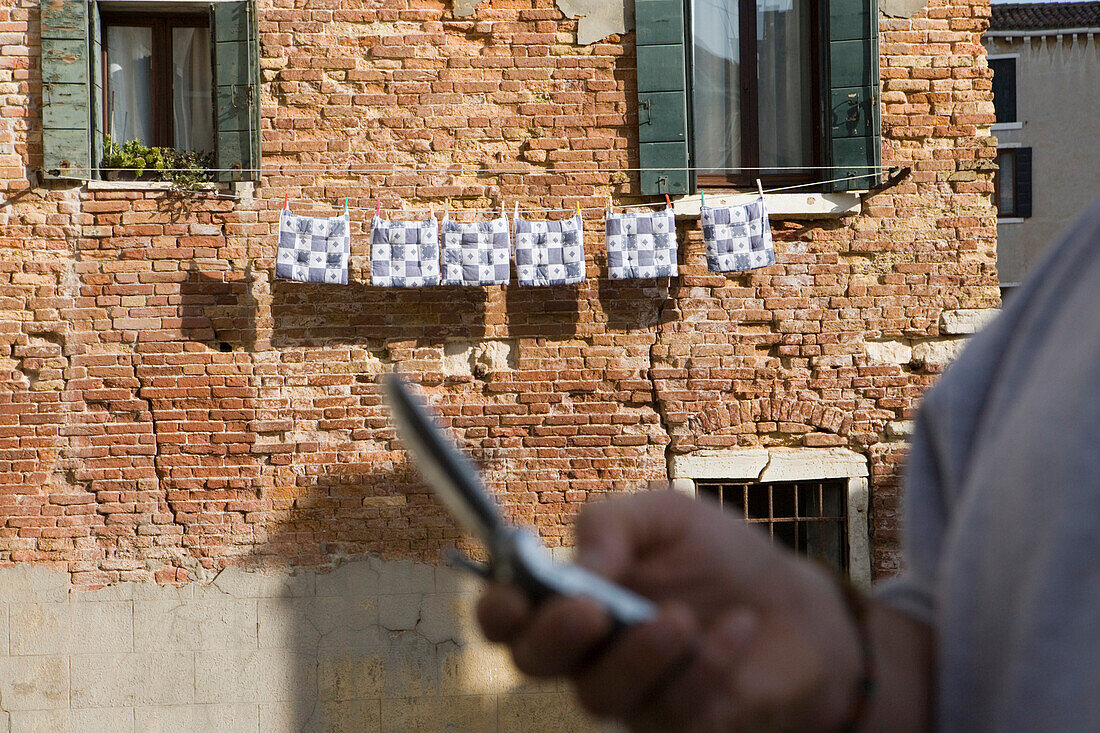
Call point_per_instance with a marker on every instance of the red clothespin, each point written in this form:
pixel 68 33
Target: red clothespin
pixel 668 201
pixel 286 201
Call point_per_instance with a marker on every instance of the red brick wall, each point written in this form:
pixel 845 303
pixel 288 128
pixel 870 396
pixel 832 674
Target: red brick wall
pixel 167 407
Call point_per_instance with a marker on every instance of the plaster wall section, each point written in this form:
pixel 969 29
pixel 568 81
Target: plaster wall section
pixel 371 646
pixel 1057 95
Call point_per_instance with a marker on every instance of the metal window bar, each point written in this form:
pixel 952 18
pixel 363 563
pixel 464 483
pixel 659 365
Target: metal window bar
pixel 810 517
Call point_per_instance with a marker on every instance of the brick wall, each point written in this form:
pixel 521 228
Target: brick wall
pixel 168 409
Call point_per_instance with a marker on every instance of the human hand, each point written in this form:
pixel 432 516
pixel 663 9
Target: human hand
pixel 747 637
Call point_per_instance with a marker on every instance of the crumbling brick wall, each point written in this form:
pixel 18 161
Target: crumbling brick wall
pixel 169 408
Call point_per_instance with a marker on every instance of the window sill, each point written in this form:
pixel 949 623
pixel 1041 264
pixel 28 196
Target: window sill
pixel 1006 126
pixel 98 185
pixel 780 205
pixel 1010 220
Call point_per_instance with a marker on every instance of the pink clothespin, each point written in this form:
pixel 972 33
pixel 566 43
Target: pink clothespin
pixel 378 207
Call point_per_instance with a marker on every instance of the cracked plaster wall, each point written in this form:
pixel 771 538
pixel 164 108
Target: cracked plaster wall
pixel 372 645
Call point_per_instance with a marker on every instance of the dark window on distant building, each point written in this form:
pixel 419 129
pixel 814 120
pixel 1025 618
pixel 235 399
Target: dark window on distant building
pixel 1012 183
pixel 810 517
pixel 1004 89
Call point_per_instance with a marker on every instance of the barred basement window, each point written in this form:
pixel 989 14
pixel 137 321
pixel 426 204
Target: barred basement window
pixel 810 517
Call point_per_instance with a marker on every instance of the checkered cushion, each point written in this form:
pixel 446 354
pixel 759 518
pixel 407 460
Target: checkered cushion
pixel 476 254
pixel 549 252
pixel 404 254
pixel 313 250
pixel 641 245
pixel 738 237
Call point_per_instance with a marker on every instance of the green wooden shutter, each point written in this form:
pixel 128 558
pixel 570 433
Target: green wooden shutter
pixel 98 124
pixel 236 64
pixel 662 97
pixel 852 120
pixel 66 89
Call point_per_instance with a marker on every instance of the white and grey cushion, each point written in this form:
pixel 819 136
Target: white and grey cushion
pixel 313 249
pixel 476 254
pixel 641 245
pixel 549 252
pixel 404 254
pixel 737 237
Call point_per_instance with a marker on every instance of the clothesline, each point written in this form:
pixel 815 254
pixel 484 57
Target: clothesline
pixel 534 210
pixel 336 169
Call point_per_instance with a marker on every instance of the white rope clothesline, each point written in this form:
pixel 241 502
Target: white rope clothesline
pixel 532 210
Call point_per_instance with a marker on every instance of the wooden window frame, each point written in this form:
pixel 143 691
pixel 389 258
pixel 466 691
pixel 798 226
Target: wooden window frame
pixel 750 103
pixel 162 25
pixel 1021 209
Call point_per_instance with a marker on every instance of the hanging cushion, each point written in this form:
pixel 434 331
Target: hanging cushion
pixel 641 245
pixel 549 252
pixel 404 254
pixel 737 237
pixel 476 254
pixel 313 249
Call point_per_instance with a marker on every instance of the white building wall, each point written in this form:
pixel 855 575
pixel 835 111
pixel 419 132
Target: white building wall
pixel 1058 105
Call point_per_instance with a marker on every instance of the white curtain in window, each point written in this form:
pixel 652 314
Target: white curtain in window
pixel 716 85
pixel 192 95
pixel 130 83
pixel 785 82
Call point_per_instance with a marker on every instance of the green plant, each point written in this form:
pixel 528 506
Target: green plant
pixel 187 170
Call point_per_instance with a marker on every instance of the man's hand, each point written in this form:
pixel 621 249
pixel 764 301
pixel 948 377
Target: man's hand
pixel 748 637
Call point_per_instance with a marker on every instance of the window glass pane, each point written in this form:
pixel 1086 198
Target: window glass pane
pixel 130 83
pixel 1006 178
pixel 1004 89
pixel 785 82
pixel 716 85
pixel 192 96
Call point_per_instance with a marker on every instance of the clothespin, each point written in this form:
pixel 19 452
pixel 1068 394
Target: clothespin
pixel 759 188
pixel 578 209
pixel 610 204
pixel 702 199
pixel 516 214
pixel 286 201
pixel 345 206
pixel 378 207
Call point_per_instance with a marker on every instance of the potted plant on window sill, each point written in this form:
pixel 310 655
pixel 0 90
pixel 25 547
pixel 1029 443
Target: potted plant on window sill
pixel 188 171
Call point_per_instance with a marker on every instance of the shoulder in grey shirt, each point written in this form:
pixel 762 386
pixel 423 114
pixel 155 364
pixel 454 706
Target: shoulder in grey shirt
pixel 1002 509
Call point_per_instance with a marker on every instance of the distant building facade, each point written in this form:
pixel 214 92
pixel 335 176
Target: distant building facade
pixel 1046 86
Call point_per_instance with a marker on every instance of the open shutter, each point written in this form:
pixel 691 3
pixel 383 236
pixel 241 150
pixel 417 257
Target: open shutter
pixel 236 64
pixel 852 120
pixel 98 124
pixel 66 89
pixel 1023 182
pixel 662 97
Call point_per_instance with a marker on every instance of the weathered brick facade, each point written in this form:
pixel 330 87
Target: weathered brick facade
pixel 168 408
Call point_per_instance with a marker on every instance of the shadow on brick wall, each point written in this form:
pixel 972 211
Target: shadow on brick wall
pixel 217 308
pixel 305 314
pixel 553 312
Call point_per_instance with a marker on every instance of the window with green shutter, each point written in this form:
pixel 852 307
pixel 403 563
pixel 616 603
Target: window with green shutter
pixel 172 78
pixel 734 90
